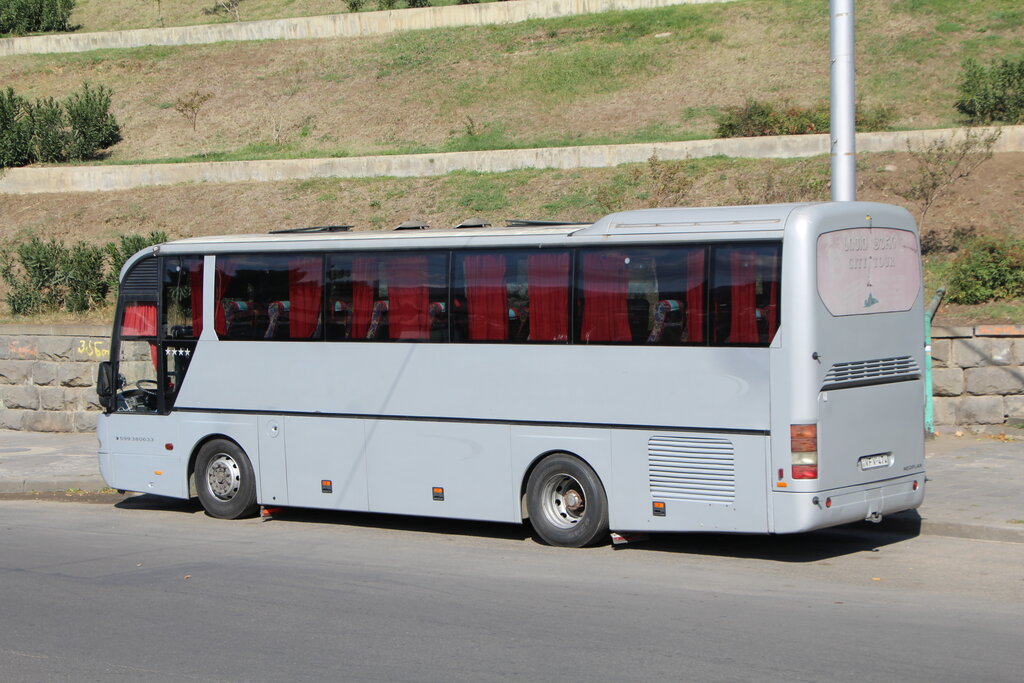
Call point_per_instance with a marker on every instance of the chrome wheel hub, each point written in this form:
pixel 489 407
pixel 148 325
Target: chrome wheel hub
pixel 563 502
pixel 223 477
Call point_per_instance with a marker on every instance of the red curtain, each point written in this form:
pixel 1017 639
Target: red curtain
pixel 408 317
pixel 548 290
pixel 223 276
pixel 773 302
pixel 486 297
pixel 743 272
pixel 605 285
pixel 695 296
pixel 364 281
pixel 139 320
pixel 195 281
pixel 305 292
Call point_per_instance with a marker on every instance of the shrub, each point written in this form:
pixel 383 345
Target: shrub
pixel 50 139
pixel 993 94
pixel 48 276
pixel 75 129
pixel 387 4
pixel 121 251
pixel 85 283
pixel 757 118
pixel 93 127
pixel 418 3
pixel 226 8
pixel 941 163
pixel 987 269
pixel 355 5
pixel 15 130
pixel 33 16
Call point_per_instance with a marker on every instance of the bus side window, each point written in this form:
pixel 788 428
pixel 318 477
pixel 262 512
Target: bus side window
pixel 269 296
pixel 510 296
pixel 745 294
pixel 641 295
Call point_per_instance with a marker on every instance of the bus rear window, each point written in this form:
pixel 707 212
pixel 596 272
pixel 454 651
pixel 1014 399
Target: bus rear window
pixel 868 270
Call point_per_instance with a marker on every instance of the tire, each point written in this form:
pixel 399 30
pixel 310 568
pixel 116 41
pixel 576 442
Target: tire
pixel 567 503
pixel 225 481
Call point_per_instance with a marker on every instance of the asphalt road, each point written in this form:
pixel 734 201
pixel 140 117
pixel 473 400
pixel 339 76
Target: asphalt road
pixel 151 589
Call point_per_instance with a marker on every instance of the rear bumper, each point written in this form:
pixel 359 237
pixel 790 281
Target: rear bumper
pixel 796 512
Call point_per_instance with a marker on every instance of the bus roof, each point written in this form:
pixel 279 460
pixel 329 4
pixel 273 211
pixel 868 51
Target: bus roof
pixel 640 222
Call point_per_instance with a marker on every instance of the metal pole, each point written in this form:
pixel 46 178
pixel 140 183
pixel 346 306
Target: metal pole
pixel 929 405
pixel 843 102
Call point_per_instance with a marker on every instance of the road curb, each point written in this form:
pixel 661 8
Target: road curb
pixel 85 482
pixel 912 523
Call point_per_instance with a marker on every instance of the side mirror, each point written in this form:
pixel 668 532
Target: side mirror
pixel 105 384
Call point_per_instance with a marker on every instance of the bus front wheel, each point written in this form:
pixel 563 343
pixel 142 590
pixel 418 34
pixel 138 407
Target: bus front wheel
pixel 567 503
pixel 225 481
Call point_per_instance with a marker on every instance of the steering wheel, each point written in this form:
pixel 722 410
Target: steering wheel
pixel 143 385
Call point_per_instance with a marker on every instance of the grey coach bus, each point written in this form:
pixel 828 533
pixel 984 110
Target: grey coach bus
pixel 751 369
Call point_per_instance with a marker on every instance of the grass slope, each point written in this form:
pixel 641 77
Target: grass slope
pixel 988 201
pixel 118 15
pixel 615 77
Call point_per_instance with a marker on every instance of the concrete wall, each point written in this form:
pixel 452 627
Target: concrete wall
pixel 331 26
pixel 978 376
pixel 34 180
pixel 48 375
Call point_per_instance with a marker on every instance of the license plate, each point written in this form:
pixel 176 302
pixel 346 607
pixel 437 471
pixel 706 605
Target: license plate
pixel 870 462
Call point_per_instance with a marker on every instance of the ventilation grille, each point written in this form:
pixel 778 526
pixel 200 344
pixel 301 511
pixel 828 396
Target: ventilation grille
pixel 866 372
pixel 143 279
pixel 692 468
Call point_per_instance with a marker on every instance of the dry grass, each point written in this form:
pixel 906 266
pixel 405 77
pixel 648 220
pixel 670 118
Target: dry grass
pixel 990 202
pixel 583 79
pixel 118 15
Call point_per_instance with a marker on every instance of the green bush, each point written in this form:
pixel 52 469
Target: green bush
pixel 993 94
pixel 50 139
pixel 34 16
pixel 48 276
pixel 987 269
pixel 757 118
pixel 78 128
pixel 92 126
pixel 419 3
pixel 15 130
pixel 119 252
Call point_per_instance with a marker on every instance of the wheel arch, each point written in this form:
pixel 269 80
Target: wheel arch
pixel 525 479
pixel 198 446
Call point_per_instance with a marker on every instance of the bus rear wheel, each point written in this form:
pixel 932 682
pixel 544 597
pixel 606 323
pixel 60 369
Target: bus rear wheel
pixel 225 481
pixel 567 503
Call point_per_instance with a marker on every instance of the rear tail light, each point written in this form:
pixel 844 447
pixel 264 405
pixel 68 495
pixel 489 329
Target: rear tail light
pixel 803 444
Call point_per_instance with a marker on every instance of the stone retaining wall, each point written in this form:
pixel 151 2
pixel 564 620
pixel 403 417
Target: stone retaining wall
pixel 978 375
pixel 48 375
pixel 98 178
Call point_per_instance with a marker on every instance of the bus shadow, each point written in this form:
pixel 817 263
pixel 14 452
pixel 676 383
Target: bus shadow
pixel 153 502
pixel 812 546
pixel 426 525
pixel 367 520
pixel 797 548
